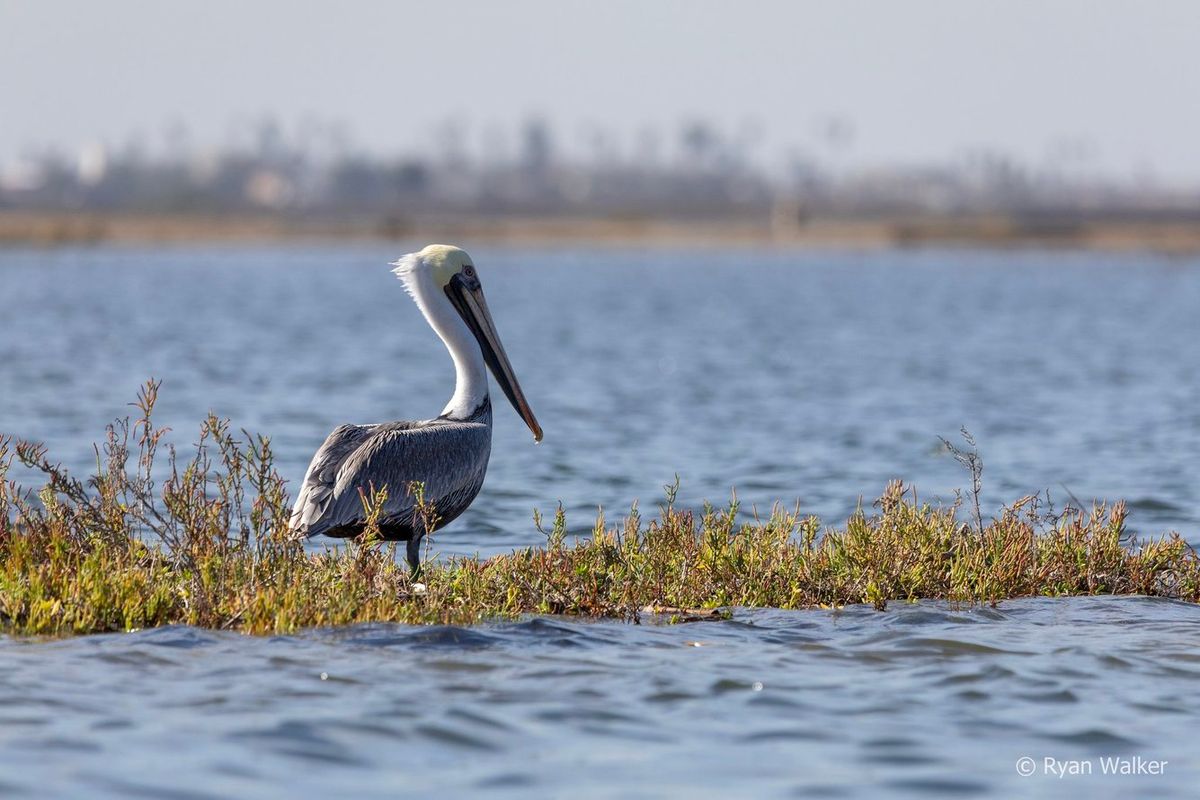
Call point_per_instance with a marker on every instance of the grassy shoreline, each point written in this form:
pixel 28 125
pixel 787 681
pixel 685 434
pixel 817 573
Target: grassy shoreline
pixel 63 228
pixel 204 542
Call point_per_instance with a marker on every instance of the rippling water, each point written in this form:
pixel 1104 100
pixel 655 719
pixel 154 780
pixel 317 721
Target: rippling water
pixel 814 377
pixel 919 701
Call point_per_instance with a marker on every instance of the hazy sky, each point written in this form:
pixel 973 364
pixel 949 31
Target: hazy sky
pixel 919 80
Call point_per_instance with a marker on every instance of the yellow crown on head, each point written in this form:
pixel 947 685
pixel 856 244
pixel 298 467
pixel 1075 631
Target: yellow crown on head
pixel 444 261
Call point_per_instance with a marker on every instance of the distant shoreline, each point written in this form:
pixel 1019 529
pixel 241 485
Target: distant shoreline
pixel 1169 236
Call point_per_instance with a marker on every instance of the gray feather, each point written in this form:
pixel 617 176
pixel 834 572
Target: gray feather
pixel 449 457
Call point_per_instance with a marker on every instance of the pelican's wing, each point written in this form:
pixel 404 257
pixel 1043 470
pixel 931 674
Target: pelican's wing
pixel 449 458
pixel 316 491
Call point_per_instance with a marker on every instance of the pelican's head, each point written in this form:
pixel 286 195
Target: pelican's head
pixel 443 261
pixel 443 274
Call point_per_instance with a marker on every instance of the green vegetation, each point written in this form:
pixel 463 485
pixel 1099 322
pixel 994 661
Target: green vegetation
pixel 210 547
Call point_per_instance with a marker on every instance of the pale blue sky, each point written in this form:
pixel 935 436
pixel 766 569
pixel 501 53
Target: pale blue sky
pixel 921 80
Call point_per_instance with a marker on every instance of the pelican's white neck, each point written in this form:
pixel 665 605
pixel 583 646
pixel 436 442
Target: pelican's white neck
pixel 470 380
pixel 470 374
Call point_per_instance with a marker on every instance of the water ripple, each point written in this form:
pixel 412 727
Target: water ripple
pixel 926 699
pixel 819 689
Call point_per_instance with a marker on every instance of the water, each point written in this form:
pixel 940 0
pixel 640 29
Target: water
pixel 797 377
pixel 920 701
pixel 810 377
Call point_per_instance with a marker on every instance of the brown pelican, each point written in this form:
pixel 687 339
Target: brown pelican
pixel 448 454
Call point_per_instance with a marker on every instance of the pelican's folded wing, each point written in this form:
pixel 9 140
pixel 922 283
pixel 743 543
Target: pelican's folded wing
pixel 317 490
pixel 449 458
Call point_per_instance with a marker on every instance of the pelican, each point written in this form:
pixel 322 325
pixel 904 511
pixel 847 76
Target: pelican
pixel 447 454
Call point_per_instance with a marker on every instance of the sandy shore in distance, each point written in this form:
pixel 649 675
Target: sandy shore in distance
pixel 72 228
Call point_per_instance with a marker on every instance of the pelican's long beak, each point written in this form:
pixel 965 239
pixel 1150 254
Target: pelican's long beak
pixel 466 295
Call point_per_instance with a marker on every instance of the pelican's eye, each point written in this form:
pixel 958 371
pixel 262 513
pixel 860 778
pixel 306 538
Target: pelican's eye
pixel 469 271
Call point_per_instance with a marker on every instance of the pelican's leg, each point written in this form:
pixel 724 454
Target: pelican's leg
pixel 414 554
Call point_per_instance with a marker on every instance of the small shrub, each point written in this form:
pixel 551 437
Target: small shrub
pixel 210 546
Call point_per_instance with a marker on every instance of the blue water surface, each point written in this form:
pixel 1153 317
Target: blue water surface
pixel 809 377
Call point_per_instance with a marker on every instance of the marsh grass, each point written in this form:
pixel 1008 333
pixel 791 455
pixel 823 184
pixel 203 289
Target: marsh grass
pixel 157 537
